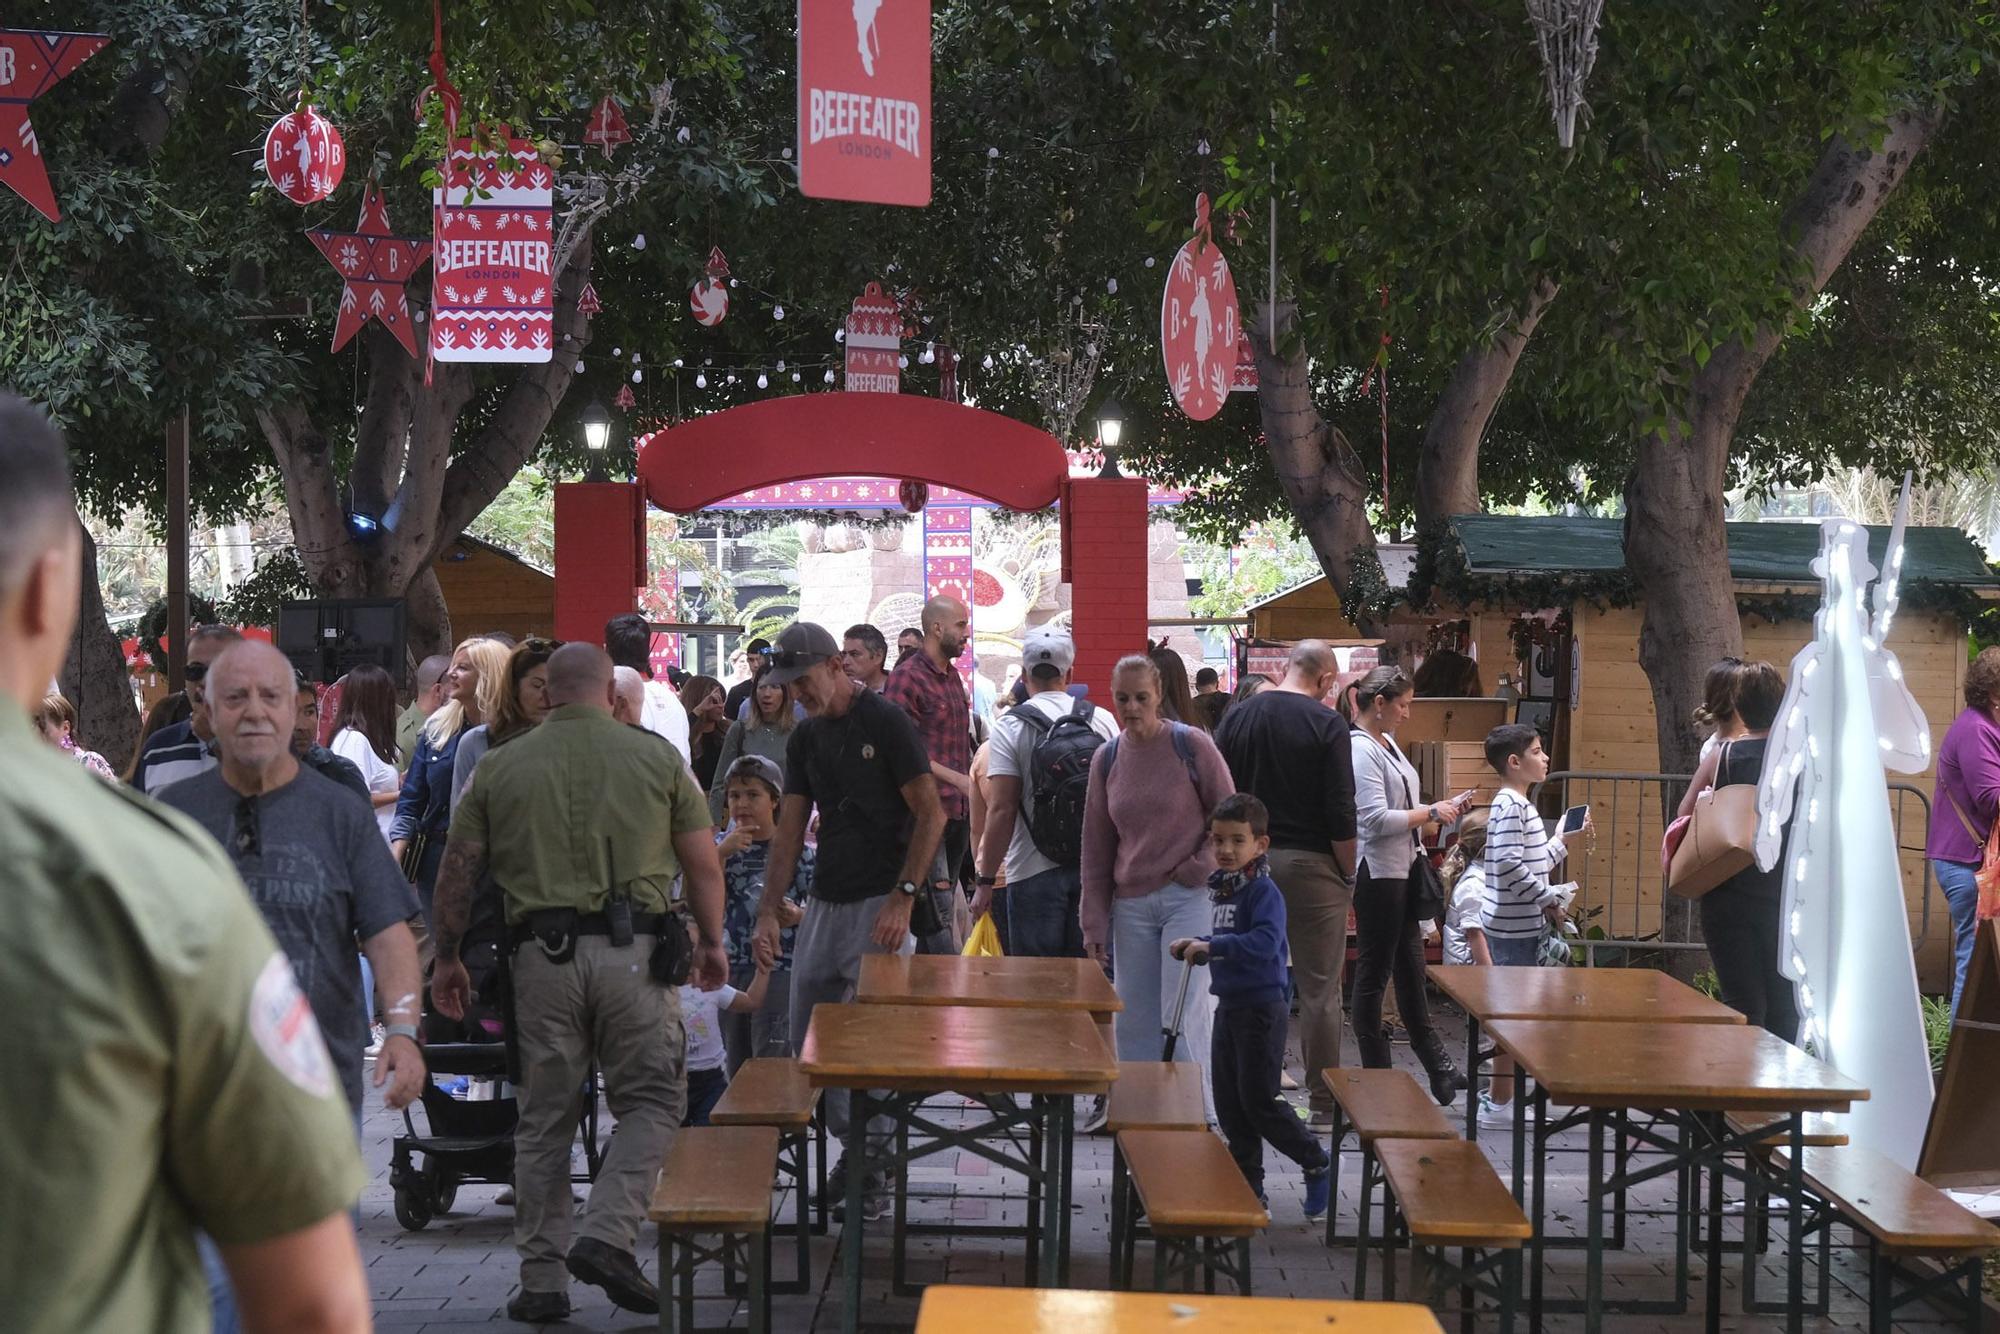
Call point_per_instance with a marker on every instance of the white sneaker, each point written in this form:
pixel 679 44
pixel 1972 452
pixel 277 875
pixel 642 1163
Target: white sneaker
pixel 377 1034
pixel 1095 1112
pixel 1495 1115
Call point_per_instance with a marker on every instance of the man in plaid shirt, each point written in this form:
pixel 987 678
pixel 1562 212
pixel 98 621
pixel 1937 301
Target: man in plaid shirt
pixel 926 686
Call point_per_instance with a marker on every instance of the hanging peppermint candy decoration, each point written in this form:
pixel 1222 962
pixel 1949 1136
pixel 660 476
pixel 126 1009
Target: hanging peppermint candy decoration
pixel 305 156
pixel 625 399
pixel 709 298
pixel 587 302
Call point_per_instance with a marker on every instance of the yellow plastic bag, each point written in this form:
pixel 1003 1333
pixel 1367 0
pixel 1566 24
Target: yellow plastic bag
pixel 984 941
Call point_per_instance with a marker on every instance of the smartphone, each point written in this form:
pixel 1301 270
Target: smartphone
pixel 1573 819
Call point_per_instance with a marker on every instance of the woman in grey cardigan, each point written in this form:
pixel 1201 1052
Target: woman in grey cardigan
pixel 765 729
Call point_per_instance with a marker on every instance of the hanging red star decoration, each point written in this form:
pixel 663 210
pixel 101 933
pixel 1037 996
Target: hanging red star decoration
pixel 587 302
pixel 607 126
pixel 31 63
pixel 376 263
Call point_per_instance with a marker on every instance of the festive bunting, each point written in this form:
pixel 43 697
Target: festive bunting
pixel 31 63
pixel 873 336
pixel 305 156
pixel 709 298
pixel 1199 331
pixel 607 127
pixel 376 263
pixel 492 284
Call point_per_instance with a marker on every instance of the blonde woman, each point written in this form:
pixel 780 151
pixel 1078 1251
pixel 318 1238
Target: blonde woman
pixel 511 702
pixel 423 811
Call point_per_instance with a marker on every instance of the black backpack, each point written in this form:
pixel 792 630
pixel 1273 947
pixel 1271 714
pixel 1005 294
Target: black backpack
pixel 1056 777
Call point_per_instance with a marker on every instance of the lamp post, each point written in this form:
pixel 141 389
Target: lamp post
pixel 1110 429
pixel 596 435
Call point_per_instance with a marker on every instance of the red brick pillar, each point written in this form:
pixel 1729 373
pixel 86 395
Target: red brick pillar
pixel 600 555
pixel 1104 562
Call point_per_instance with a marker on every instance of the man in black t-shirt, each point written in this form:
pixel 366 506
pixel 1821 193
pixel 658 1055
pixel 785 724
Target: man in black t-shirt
pixel 1289 750
pixel 858 758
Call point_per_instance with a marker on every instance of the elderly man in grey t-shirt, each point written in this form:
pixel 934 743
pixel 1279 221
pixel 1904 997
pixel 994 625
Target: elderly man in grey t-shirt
pixel 312 857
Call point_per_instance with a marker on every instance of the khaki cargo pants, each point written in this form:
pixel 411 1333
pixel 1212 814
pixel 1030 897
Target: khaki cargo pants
pixel 603 1003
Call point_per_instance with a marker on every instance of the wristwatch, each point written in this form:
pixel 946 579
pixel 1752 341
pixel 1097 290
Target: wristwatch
pixel 1433 812
pixel 986 881
pixel 402 1031
pixel 907 888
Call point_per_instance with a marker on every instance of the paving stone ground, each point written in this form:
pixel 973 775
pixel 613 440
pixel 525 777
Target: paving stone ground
pixel 461 1269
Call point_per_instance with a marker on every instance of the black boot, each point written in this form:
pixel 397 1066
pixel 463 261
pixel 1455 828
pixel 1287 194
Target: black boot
pixel 1446 1080
pixel 1374 1048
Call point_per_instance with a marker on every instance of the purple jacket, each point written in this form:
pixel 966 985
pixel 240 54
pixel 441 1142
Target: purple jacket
pixel 1968 770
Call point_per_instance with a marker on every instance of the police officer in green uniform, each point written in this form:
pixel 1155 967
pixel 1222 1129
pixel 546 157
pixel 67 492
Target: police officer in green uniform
pixel 584 823
pixel 164 1073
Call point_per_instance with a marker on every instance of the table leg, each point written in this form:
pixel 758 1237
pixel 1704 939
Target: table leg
pixel 1520 1139
pixel 1119 1221
pixel 859 1108
pixel 1538 1213
pixel 1052 1200
pixel 668 1323
pixel 1795 1281
pixel 1594 1203
pixel 1066 1113
pixel 1472 1078
pixel 1684 1204
pixel 1037 1188
pixel 899 1228
pixel 1713 1131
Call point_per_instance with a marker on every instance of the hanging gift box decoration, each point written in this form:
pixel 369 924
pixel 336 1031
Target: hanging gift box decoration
pixel 305 156
pixel 709 298
pixel 493 291
pixel 375 263
pixel 607 127
pixel 1199 330
pixel 873 336
pixel 31 63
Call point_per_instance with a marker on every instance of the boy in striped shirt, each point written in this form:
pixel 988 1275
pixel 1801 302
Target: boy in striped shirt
pixel 1519 853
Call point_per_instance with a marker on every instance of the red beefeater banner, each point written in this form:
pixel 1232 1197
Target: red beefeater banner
pixel 865 100
pixel 493 295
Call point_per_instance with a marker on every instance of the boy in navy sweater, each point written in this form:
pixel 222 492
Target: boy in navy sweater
pixel 1245 952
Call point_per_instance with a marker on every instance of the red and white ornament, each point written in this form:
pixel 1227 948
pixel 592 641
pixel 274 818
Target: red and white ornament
pixel 305 156
pixel 607 126
pixel 873 337
pixel 625 399
pixel 375 263
pixel 1199 327
pixel 587 302
pixel 31 63
pixel 913 495
pixel 709 298
pixel 492 262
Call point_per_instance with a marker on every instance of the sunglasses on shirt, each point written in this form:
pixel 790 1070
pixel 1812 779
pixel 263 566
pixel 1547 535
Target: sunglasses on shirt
pixel 244 838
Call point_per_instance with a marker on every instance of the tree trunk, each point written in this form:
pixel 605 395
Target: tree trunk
pixel 1448 468
pixel 94 678
pixel 1320 473
pixel 1676 546
pixel 427 619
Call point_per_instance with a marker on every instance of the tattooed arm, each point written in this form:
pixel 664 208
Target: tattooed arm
pixel 451 909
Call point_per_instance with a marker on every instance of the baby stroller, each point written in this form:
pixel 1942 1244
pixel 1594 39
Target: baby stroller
pixel 469 1140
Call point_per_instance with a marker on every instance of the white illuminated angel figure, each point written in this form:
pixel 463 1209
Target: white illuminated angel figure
pixel 1844 931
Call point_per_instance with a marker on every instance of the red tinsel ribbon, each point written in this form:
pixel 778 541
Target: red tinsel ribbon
pixel 440 81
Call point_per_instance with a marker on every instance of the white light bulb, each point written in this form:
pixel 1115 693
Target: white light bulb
pixel 1149 261
pixel 617 351
pixel 795 377
pixel 677 363
pixel 639 241
pixel 682 136
pixel 1805 993
pixel 1799 964
pixel 1111 286
pixel 1895 670
pixel 992 153
pixel 778 313
pixel 638 377
pixel 1798 921
pixel 763 381
pixel 1798 765
pixel 785 153
pixel 700 380
pixel 1812 811
pixel 1799 874
pixel 986 363
pixel 579 368
pixel 732 377
pixel 1812 744
pixel 1792 718
pixel 1771 822
pixel 732 282
pixel 840 335
pixel 829 377
pixel 902 363
pixel 781 363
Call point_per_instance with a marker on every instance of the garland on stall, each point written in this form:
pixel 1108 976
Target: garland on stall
pixel 1370 600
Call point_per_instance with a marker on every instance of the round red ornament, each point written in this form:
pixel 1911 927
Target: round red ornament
pixel 709 300
pixel 1199 327
pixel 914 495
pixel 305 156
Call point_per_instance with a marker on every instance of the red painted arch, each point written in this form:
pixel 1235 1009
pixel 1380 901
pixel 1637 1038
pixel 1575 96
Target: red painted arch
pixel 803 436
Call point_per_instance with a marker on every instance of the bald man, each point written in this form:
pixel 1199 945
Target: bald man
pixel 628 696
pixel 311 854
pixel 926 685
pixel 584 824
pixel 429 699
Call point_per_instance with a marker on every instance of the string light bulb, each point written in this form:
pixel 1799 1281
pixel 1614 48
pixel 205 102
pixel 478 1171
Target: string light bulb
pixel 763 381
pixel 778 314
pixel 700 380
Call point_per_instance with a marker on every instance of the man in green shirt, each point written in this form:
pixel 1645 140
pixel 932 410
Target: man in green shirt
pixel 584 823
pixel 429 699
pixel 172 1080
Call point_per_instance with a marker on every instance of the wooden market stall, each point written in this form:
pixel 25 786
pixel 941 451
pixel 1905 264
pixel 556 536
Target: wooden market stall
pixel 487 587
pixel 1547 602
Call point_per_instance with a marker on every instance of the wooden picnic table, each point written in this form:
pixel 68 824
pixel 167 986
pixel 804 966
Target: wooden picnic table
pixel 966 1310
pixel 1008 983
pixel 891 1057
pixel 1695 1071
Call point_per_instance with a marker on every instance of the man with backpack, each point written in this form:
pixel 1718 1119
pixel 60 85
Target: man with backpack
pixel 1039 766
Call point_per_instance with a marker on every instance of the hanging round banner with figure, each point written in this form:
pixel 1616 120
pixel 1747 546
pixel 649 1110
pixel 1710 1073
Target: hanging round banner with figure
pixel 304 156
pixel 1199 328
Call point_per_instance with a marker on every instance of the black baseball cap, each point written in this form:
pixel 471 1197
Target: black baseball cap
pixel 801 647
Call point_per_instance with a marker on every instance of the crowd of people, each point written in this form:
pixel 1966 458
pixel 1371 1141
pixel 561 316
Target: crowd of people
pixel 659 880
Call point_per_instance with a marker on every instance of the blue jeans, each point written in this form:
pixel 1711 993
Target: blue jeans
pixel 1961 892
pixel 1040 916
pixel 1147 978
pixel 1514 951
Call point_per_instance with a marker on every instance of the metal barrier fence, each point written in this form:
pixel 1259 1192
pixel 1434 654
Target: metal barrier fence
pixel 1620 884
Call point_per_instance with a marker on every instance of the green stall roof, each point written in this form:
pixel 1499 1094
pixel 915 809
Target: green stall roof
pixel 1778 553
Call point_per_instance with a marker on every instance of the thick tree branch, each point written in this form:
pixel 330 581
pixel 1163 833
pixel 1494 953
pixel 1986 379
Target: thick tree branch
pixel 509 439
pixel 312 495
pixel 380 444
pixel 1448 468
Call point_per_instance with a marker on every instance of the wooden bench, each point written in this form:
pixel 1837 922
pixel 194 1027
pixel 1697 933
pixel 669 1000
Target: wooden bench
pixel 1902 1216
pixel 1447 1197
pixel 1149 1095
pixel 716 1181
pixel 1373 1105
pixel 1199 1208
pixel 773 1091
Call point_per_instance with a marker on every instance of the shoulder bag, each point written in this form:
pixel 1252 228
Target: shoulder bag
pixel 1988 875
pixel 1423 893
pixel 1720 838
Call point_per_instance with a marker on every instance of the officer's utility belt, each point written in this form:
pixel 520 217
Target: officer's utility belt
pixel 556 930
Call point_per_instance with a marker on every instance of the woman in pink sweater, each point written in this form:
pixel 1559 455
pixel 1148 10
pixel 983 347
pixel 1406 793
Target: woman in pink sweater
pixel 1146 861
